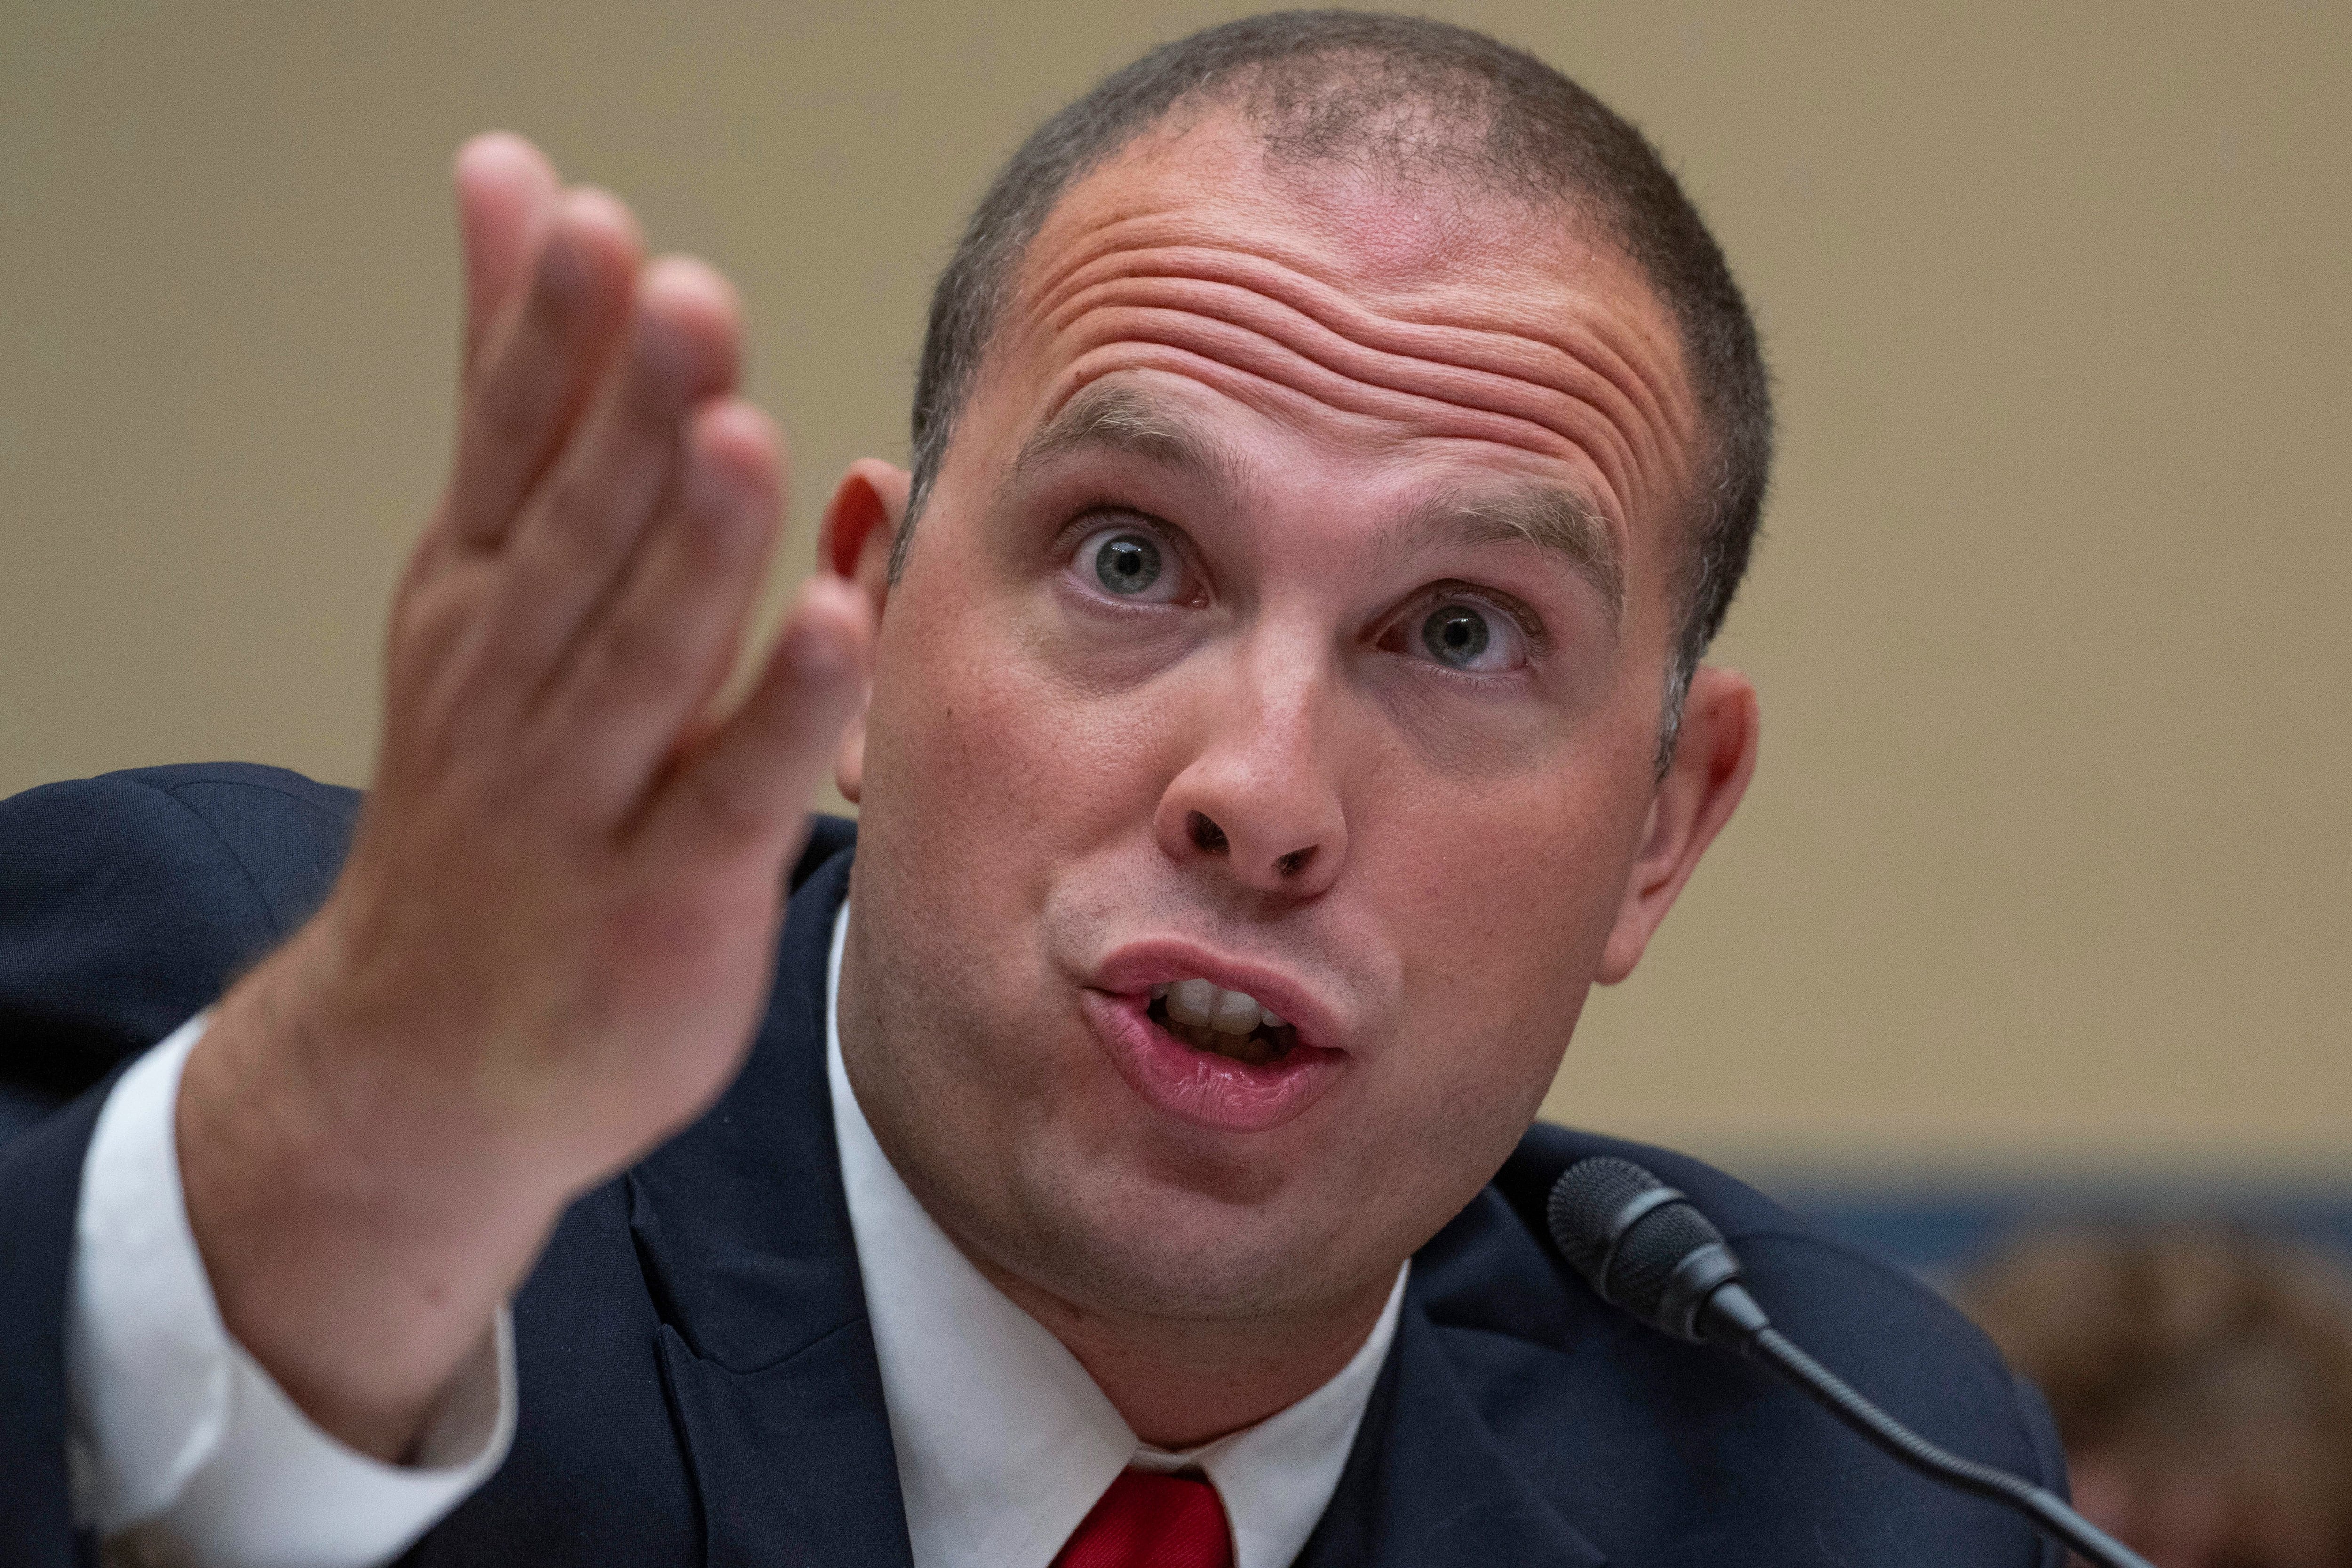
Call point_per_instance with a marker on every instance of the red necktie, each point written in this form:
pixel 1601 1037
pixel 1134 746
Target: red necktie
pixel 1152 1521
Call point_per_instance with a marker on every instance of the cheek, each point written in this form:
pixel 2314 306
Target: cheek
pixel 1502 943
pixel 981 750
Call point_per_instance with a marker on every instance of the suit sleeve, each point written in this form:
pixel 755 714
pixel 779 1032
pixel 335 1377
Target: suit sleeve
pixel 129 901
pixel 2041 1431
pixel 126 904
pixel 40 1179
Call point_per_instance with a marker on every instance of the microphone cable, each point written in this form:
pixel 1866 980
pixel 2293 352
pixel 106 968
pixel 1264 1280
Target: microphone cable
pixel 1645 1248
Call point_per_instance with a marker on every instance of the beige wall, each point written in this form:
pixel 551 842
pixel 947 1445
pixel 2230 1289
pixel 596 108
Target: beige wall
pixel 2047 863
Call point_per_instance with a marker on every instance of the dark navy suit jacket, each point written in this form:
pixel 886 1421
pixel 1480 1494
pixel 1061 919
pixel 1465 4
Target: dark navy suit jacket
pixel 698 1378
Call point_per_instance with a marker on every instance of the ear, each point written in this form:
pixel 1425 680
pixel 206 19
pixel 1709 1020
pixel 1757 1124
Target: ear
pixel 861 526
pixel 1715 755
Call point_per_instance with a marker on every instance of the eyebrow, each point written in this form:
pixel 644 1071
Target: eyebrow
pixel 1106 416
pixel 1558 522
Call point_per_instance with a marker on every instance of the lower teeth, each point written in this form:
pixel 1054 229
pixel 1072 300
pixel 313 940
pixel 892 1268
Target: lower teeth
pixel 1256 1048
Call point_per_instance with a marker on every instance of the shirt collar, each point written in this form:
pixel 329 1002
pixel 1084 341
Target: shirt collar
pixel 1003 1442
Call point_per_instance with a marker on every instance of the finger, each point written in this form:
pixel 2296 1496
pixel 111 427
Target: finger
pixel 542 362
pixel 569 552
pixel 750 783
pixel 507 192
pixel 644 673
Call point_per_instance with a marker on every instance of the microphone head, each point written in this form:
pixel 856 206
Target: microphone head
pixel 1638 1243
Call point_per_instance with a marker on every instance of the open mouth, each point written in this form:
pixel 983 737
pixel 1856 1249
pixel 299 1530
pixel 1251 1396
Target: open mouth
pixel 1197 1053
pixel 1231 1024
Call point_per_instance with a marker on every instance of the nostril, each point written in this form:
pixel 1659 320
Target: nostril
pixel 1295 862
pixel 1207 837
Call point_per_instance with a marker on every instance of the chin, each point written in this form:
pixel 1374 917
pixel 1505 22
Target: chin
pixel 1126 1238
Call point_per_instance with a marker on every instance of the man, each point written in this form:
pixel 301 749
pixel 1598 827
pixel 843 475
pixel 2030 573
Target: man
pixel 1273 701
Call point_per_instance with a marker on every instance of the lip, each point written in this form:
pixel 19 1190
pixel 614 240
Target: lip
pixel 1198 1086
pixel 1135 968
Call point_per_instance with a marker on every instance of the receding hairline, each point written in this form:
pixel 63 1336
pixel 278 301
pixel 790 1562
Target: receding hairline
pixel 1418 133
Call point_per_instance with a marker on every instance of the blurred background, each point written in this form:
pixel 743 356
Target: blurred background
pixel 2038 904
pixel 2024 962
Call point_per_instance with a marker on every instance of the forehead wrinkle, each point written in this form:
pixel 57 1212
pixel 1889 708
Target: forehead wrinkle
pixel 1581 401
pixel 1594 359
pixel 1249 365
pixel 1291 277
pixel 1202 313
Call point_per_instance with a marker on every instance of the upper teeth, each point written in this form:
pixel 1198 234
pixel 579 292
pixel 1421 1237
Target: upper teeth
pixel 1204 1003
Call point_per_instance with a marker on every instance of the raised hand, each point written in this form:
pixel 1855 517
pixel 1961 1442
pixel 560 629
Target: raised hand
pixel 551 941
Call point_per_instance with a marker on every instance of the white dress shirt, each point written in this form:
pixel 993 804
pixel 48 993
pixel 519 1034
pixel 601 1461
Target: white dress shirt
pixel 182 1449
pixel 185 1451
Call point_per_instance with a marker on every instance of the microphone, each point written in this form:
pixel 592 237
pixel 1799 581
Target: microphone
pixel 1645 1248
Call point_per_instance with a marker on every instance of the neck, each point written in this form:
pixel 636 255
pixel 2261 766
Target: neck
pixel 1181 1383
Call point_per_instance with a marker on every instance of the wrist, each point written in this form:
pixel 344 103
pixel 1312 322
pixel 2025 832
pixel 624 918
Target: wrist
pixel 359 1228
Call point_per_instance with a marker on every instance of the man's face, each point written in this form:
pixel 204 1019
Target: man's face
pixel 1292 613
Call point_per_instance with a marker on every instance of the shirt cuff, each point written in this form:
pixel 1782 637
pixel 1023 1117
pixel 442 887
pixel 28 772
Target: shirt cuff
pixel 182 1448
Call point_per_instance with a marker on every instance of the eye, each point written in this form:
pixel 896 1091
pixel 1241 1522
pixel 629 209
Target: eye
pixel 1127 563
pixel 1463 634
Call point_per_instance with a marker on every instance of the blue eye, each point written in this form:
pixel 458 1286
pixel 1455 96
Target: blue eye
pixel 1464 634
pixel 1124 561
pixel 1455 634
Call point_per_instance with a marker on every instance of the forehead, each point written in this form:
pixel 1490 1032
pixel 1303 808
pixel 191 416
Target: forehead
pixel 1360 304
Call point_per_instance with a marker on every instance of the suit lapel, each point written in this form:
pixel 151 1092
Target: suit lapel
pixel 1428 1486
pixel 767 1358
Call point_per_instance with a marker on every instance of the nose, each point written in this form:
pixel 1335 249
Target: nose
pixel 1258 802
